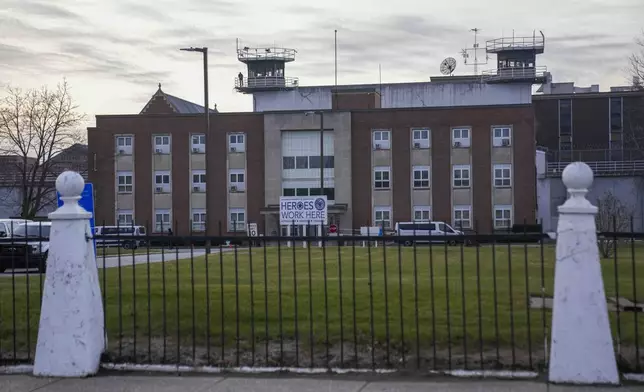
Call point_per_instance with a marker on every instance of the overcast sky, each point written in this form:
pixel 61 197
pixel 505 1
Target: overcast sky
pixel 114 52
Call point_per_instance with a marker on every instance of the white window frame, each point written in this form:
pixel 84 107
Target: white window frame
pixel 462 179
pixel 457 137
pixel 200 146
pixel 124 148
pixel 166 222
pixel 162 144
pixel 199 219
pixel 381 169
pixel 237 142
pixel 165 187
pixel 421 169
pixel 500 222
pixel 233 180
pixel 125 187
pixel 417 139
pixel 200 183
pixel 502 181
pixel 499 134
pixel 422 214
pixel 378 217
pixel 125 214
pixel 241 224
pixel 459 219
pixel 381 139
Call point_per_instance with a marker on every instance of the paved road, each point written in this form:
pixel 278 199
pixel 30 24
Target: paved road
pixel 158 383
pixel 127 259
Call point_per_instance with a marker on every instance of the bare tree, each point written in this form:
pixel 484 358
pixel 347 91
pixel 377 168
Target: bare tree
pixel 612 216
pixel 637 63
pixel 35 126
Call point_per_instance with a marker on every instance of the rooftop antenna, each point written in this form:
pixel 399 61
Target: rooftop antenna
pixel 465 53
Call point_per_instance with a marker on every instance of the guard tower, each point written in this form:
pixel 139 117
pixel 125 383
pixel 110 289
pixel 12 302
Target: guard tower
pixel 516 60
pixel 265 69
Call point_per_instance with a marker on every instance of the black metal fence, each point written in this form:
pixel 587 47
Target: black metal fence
pixel 481 302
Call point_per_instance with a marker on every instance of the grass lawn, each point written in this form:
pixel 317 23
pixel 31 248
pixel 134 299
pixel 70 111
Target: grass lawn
pixel 399 307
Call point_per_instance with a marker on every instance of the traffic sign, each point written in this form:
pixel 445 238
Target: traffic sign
pixel 252 229
pixel 333 229
pixel 87 202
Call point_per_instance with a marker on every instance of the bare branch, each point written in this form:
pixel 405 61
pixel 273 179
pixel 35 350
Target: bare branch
pixel 35 127
pixel 612 216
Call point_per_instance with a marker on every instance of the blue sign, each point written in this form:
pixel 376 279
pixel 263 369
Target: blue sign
pixel 87 202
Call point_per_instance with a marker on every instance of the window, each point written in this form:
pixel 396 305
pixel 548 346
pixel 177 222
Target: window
pixel 124 145
pixel 125 183
pixel 461 176
pixel 329 192
pixel 422 213
pixel 461 137
pixel 462 217
pixel 314 162
pixel 162 144
pixel 502 217
pixel 237 142
pixel 162 182
pixel 288 192
pixel 382 217
pixel 381 177
pixel 162 221
pixel 288 163
pixel 198 144
pixel 381 140
pixel 125 218
pixel 198 219
pixel 616 114
pixel 198 180
pixel 502 176
pixel 236 219
pixel 421 176
pixel 302 192
pixel 565 117
pixel 501 137
pixel 237 179
pixel 420 138
pixel 301 162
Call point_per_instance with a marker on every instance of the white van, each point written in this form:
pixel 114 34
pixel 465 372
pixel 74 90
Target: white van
pixel 420 229
pixel 124 236
pixel 7 226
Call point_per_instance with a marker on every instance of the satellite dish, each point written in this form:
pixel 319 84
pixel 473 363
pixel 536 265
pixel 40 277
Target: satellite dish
pixel 448 66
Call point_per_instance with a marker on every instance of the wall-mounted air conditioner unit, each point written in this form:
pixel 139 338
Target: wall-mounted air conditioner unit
pixel 233 149
pixel 121 152
pixel 196 189
pixel 195 150
pixel 457 144
pixel 159 189
pixel 158 151
pixel 233 189
pixel 378 147
pixel 505 142
pixel 416 145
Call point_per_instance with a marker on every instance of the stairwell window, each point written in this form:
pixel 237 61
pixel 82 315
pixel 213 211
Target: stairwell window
pixel 198 219
pixel 382 217
pixel 162 144
pixel 162 220
pixel 124 145
pixel 198 144
pixel 237 142
pixel 237 179
pixel 420 177
pixel 462 217
pixel 420 138
pixel 502 217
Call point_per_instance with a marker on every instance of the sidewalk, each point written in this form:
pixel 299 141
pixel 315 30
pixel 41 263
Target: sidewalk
pixel 164 383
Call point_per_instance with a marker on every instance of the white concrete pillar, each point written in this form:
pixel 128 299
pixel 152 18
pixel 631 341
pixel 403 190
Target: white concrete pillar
pixel 581 350
pixel 288 234
pixel 319 235
pixel 70 334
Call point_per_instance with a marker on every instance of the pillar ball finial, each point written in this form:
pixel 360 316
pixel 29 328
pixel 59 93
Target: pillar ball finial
pixel 70 184
pixel 577 175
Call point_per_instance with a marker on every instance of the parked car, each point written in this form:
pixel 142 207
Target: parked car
pixel 125 236
pixel 7 226
pixel 28 247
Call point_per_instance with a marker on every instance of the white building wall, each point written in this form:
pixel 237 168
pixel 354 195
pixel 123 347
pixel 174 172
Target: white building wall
pixel 400 95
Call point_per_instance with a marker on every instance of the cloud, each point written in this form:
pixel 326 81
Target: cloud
pixel 47 9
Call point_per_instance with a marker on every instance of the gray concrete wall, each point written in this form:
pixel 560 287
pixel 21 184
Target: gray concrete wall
pixel 551 193
pixel 401 95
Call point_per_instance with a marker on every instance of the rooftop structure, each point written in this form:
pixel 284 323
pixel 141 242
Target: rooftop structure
pixel 265 69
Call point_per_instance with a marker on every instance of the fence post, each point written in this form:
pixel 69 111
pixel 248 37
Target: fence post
pixel 581 350
pixel 70 334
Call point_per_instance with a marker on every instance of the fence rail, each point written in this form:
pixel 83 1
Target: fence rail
pixel 482 302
